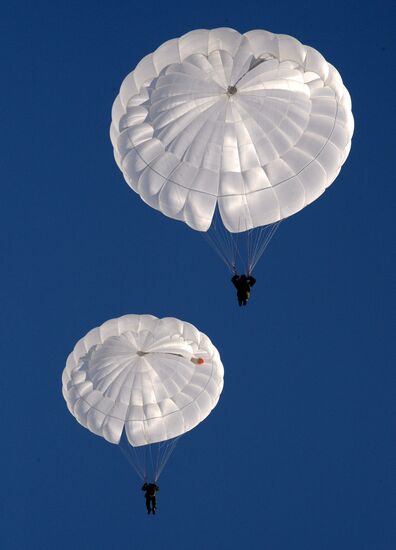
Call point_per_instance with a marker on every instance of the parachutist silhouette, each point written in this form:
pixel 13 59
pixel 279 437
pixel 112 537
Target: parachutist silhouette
pixel 243 285
pixel 151 501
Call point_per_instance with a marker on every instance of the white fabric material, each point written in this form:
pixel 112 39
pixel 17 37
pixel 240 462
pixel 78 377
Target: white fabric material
pixel 140 373
pixel 186 141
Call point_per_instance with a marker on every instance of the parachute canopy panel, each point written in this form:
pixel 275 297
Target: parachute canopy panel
pixel 257 124
pixel 154 378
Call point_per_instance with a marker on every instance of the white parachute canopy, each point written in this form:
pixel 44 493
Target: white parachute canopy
pixel 153 378
pixel 253 125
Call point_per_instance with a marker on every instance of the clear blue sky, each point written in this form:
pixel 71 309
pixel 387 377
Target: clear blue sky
pixel 300 453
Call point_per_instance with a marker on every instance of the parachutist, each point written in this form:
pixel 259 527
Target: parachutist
pixel 243 284
pixel 150 491
pixel 140 384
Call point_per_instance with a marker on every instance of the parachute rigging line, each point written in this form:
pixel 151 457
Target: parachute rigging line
pixel 148 461
pixel 242 248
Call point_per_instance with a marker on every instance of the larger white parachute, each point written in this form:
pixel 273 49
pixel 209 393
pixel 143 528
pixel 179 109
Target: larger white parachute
pixel 154 378
pixel 256 124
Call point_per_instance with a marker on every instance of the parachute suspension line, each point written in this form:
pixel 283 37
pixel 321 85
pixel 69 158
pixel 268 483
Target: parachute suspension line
pixel 236 240
pixel 160 445
pixel 254 237
pixel 239 254
pixel 138 456
pixel 148 461
pixel 231 246
pixel 250 247
pixel 234 250
pixel 217 248
pixel 170 447
pixel 145 461
pixel 150 453
pixel 162 449
pixel 134 463
pixel 258 238
pixel 215 238
pixel 221 241
pixel 261 242
pixel 243 248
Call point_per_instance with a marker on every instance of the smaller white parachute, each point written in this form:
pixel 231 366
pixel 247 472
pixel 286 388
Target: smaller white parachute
pixel 153 379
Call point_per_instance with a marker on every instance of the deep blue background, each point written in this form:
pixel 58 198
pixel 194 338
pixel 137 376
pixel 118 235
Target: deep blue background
pixel 300 453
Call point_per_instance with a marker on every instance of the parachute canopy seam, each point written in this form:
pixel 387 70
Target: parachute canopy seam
pixel 273 186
